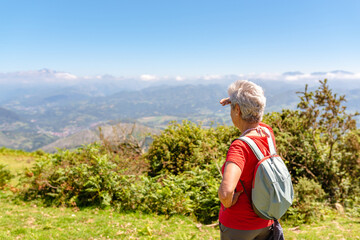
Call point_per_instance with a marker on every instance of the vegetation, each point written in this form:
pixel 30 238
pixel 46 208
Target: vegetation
pixel 88 177
pixel 16 161
pixel 320 141
pixel 180 173
pixel 29 221
pixel 182 147
pixel 5 176
pixel 36 222
pixel 308 205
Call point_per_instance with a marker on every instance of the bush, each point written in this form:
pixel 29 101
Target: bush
pixel 179 148
pixel 162 195
pixel 5 175
pixel 307 191
pixel 352 206
pixel 308 204
pixel 88 176
pixel 204 194
pixel 183 147
pixel 191 193
pixel 320 141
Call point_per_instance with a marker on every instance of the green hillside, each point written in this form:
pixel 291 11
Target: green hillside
pixel 29 220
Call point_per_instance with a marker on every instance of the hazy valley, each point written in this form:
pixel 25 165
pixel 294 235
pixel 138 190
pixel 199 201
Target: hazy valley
pixel 49 114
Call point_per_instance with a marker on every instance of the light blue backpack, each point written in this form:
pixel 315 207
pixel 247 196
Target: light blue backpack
pixel 272 191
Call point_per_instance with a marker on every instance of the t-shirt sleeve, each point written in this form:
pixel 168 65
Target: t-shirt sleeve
pixel 235 154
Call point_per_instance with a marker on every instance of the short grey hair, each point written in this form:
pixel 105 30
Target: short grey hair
pixel 250 98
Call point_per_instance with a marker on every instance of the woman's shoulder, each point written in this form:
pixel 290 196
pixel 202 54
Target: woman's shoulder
pixel 239 148
pixel 237 143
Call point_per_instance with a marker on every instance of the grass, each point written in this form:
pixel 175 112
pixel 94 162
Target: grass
pixel 16 161
pixel 28 221
pixel 331 228
pixel 22 220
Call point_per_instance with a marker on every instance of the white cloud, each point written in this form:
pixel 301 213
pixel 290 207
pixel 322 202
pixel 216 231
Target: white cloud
pixel 179 78
pixel 148 78
pixel 65 76
pixel 51 76
pixel 212 77
pixel 40 76
pixel 297 77
pixel 268 76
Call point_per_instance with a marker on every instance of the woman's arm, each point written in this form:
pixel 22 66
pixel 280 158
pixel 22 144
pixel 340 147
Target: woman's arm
pixel 231 177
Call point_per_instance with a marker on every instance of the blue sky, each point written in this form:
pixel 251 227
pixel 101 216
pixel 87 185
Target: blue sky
pixel 187 38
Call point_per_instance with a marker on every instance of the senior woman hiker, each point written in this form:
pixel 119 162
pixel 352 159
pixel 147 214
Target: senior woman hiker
pixel 237 219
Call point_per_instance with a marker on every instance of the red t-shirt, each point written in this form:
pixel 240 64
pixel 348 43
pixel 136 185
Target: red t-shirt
pixel 241 215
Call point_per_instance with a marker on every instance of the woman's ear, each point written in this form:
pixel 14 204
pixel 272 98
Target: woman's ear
pixel 237 110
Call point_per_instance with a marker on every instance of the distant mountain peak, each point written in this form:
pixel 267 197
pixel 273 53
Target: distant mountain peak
pixel 295 73
pixel 341 72
pixel 318 73
pixel 46 70
pixel 332 72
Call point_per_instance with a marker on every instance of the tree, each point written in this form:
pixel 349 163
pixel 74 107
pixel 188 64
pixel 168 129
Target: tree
pixel 320 141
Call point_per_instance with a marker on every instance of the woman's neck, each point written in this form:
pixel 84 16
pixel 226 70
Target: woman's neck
pixel 246 126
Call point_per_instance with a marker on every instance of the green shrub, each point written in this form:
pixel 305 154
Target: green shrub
pixel 162 195
pixel 90 177
pixel 204 194
pixel 179 148
pixel 87 176
pixel 352 206
pixel 5 175
pixel 182 147
pixel 320 141
pixel 308 205
pixel 190 193
pixel 307 190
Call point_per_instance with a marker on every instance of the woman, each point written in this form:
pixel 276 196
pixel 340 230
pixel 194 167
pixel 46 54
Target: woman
pixel 237 217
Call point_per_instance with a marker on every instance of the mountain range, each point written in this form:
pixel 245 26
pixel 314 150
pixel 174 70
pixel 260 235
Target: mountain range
pixel 46 109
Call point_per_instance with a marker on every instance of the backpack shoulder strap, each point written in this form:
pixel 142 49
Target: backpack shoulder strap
pixel 259 155
pixel 270 141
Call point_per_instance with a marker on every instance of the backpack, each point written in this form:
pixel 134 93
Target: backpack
pixel 272 190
